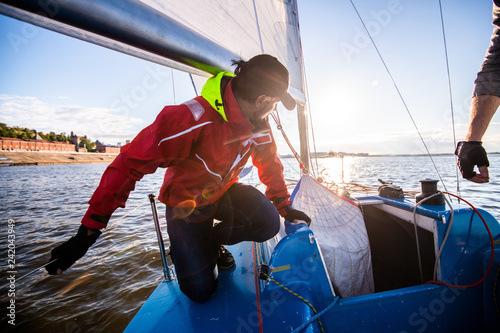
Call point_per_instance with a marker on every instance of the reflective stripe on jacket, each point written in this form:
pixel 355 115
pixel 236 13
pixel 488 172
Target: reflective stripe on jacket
pixel 203 149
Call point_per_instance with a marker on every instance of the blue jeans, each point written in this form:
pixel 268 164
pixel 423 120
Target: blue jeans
pixel 245 214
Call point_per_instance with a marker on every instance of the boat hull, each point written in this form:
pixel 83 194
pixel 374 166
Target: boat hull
pixel 248 301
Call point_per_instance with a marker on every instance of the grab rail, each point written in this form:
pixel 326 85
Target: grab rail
pixel 166 269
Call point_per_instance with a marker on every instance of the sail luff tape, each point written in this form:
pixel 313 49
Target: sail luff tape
pixel 298 95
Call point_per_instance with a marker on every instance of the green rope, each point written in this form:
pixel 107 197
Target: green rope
pixel 297 295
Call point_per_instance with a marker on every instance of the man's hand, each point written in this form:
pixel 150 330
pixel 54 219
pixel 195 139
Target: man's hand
pixel 470 154
pixel 292 215
pixel 70 251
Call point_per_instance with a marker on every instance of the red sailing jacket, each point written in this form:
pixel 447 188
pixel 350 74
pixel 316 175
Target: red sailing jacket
pixel 203 154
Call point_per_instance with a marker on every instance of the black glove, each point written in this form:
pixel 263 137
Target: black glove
pixel 293 214
pixel 72 250
pixel 470 153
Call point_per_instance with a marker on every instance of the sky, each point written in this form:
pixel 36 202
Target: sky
pixel 51 82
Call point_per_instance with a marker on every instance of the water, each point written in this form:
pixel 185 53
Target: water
pixel 104 290
pixel 407 171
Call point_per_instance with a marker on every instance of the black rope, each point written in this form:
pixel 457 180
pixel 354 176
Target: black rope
pixel 399 93
pixel 451 95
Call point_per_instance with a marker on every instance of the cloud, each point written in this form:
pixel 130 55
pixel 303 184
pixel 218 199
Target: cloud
pixel 103 124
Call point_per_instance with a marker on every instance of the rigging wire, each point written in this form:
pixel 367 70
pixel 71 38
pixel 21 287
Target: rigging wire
pixel 194 85
pixel 291 167
pixel 311 121
pixel 399 93
pixel 451 95
pixel 173 85
pixel 277 120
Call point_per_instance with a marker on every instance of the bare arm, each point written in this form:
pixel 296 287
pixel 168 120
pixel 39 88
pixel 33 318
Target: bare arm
pixel 484 104
pixel 483 109
pixel 471 152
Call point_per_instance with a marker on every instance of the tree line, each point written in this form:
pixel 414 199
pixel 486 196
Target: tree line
pixel 26 133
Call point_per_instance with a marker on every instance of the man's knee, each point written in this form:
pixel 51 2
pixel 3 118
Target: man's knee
pixel 198 295
pixel 201 287
pixel 270 226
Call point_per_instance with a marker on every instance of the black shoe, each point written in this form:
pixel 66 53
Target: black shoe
pixel 225 259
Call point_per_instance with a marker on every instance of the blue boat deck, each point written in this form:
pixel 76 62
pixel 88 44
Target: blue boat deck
pixel 244 302
pixel 168 309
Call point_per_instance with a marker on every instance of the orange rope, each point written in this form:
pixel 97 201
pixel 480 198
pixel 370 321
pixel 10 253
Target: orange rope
pixel 277 120
pixel 492 250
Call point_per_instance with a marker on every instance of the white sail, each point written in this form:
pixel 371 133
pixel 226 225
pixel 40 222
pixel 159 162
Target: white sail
pixel 197 37
pixel 341 233
pixel 245 28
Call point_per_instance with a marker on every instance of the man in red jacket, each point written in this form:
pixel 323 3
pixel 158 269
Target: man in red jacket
pixel 204 143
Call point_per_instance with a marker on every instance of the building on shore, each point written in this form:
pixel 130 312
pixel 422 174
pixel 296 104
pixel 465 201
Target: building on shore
pixel 81 149
pixel 75 139
pixel 35 144
pixel 102 148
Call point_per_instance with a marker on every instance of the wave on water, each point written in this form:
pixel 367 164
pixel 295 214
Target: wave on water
pixel 104 290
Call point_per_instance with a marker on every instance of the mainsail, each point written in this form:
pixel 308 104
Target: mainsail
pixel 199 37
pixel 245 28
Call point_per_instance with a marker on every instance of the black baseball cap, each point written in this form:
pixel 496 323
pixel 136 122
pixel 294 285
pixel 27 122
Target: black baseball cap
pixel 272 78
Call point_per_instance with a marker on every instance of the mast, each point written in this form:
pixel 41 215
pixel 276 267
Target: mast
pixel 303 135
pixel 301 104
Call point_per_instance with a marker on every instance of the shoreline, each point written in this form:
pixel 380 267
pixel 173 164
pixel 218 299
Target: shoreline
pixel 49 158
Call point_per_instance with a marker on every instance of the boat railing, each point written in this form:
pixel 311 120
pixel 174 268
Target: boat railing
pixel 169 276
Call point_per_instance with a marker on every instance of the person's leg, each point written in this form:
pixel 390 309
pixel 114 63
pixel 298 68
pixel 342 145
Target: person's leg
pixel 193 253
pixel 488 77
pixel 246 215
